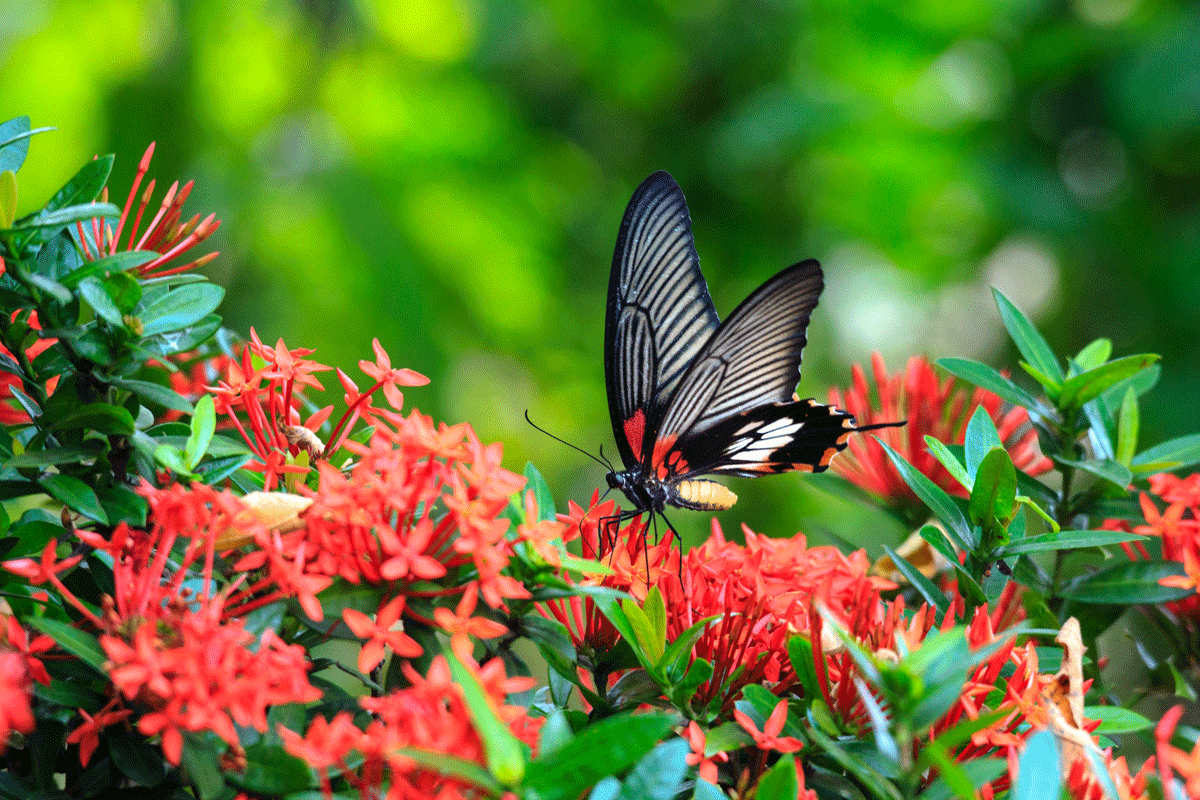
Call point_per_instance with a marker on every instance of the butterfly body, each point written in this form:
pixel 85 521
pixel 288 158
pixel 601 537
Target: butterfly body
pixel 690 395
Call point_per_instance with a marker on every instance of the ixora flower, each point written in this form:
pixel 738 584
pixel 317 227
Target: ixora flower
pixel 1177 527
pixel 165 234
pixel 932 407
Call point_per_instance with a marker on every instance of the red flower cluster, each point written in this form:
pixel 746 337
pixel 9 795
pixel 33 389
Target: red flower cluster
pixel 1178 528
pixel 429 717
pixel 763 593
pixel 19 668
pixel 184 661
pixel 932 407
pixel 164 234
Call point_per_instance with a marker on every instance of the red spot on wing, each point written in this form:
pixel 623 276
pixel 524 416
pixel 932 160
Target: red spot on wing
pixel 635 428
pixel 659 458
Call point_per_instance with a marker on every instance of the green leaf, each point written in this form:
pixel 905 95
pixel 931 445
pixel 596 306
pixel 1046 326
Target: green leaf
pixel 51 287
pixel 204 425
pixel 1025 336
pixel 985 377
pixel 1089 385
pixel 78 643
pixel 75 495
pixel 1040 771
pixel 171 458
pixel 14 142
pixel 800 655
pixel 117 262
pixel 658 775
pixel 1065 540
pixel 180 308
pixel 1127 584
pixel 933 496
pixel 505 758
pixel 967 583
pixel 136 758
pixel 779 782
pixel 1127 428
pixel 647 642
pixel 271 770
pixel 981 438
pixel 99 417
pixel 92 290
pixel 201 763
pixel 1170 455
pixel 452 766
pixel 541 493
pixel 84 186
pixel 949 461
pixel 1114 719
pixel 995 492
pixel 706 791
pixel 932 594
pixel 1102 468
pixel 53 456
pixel 979 771
pixel 1096 353
pixel 607 747
pixel 155 393
pixel 59 218
pixel 1049 385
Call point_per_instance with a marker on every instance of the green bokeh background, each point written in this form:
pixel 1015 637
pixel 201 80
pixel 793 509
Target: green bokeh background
pixel 448 175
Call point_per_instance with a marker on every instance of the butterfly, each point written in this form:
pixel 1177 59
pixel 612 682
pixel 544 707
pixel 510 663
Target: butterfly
pixel 690 395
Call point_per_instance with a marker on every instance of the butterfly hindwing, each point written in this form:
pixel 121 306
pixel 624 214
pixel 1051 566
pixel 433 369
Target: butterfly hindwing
pixel 752 359
pixel 801 435
pixel 659 312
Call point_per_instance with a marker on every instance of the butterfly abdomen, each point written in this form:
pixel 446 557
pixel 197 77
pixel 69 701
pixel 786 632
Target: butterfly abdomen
pixel 702 495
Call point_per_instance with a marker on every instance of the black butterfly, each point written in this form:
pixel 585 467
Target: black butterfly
pixel 690 395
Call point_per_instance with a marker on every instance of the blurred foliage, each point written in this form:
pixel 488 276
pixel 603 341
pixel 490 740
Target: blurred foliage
pixel 449 175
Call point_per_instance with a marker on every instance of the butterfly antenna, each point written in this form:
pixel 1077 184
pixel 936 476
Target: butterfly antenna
pixel 877 425
pixel 605 463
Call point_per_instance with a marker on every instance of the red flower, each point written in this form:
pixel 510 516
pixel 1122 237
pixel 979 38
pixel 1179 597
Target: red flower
pixel 164 234
pixel 768 738
pixel 705 765
pixel 380 633
pixel 932 408
pixel 462 626
pixel 87 735
pixel 15 711
pixel 1172 760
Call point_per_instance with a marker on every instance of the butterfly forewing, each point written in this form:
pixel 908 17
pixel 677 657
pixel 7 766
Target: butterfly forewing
pixel 751 360
pixel 659 312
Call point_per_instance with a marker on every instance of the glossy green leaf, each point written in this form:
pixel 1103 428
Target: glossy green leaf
pixel 1032 346
pixel 995 490
pixel 78 643
pixel 932 594
pixel 67 215
pixel 504 756
pixel 156 393
pixel 1127 584
pixel 1104 469
pixel 75 495
pixel 541 492
pixel 1049 385
pixel 117 262
pixel 933 496
pixel 201 764
pixel 607 747
pixel 1065 540
pixel 204 425
pixel 980 438
pixel 91 290
pixel 135 757
pixel 1127 428
pixel 800 655
pixel 52 457
pixel 1094 354
pixel 271 770
pixel 180 308
pixel 779 782
pixel 949 461
pixel 1040 772
pixel 1170 455
pixel 1087 386
pixel 985 377
pixel 14 142
pixel 84 186
pixel 171 458
pixel 659 774
pixel 1114 720
pixel 99 417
